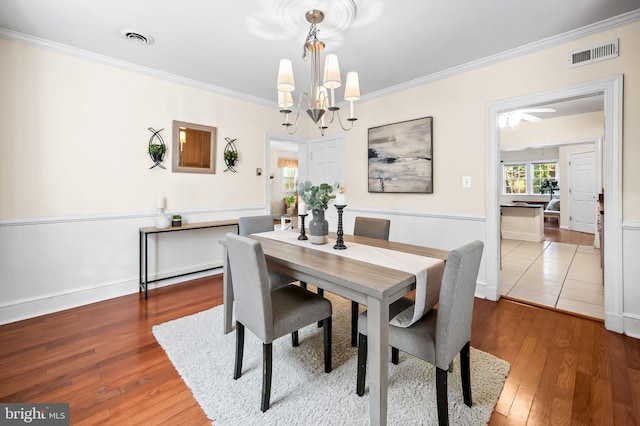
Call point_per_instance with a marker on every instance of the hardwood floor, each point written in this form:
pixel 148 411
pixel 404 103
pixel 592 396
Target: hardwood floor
pixel 552 232
pixel 104 361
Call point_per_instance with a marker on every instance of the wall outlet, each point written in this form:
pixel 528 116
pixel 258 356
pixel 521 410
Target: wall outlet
pixel 466 181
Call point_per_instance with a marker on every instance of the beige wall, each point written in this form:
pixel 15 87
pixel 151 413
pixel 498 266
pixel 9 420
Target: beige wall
pixel 74 139
pixel 458 107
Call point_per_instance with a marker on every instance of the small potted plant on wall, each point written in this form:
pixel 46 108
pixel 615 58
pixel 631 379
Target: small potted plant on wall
pixel 176 220
pixel 157 151
pixel 230 157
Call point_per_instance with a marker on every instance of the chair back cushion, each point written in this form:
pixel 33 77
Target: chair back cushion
pixel 372 228
pixel 554 205
pixel 251 287
pixel 254 224
pixel 455 306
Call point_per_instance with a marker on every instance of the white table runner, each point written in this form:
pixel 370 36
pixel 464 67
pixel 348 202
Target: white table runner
pixel 426 269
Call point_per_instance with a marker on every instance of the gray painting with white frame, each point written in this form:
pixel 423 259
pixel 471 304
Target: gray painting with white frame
pixel 401 157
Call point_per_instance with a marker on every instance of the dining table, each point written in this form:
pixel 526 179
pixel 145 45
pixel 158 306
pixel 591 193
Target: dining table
pixel 369 283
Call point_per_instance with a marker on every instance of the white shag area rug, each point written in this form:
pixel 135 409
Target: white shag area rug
pixel 301 393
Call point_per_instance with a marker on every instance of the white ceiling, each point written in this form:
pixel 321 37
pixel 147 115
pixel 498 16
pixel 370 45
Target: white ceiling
pixel 236 46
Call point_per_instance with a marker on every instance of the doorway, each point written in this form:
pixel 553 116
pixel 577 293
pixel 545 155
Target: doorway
pixel 612 182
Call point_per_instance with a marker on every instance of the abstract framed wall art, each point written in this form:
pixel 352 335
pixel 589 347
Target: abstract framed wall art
pixel 401 157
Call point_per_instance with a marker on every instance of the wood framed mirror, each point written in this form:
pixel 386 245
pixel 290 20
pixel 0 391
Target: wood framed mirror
pixel 194 148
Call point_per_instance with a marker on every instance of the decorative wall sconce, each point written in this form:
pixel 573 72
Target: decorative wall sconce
pixel 230 154
pixel 156 149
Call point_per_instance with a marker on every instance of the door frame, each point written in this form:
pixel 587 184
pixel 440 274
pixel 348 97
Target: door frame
pixel 612 182
pixel 268 137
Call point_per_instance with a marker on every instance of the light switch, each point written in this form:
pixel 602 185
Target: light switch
pixel 466 181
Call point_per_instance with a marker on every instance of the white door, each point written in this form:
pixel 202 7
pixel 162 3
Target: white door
pixel 582 192
pixel 326 163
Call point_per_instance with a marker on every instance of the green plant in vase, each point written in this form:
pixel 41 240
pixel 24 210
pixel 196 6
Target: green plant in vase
pixel 291 202
pixel 316 198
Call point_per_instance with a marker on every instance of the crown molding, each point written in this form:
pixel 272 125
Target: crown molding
pixel 106 60
pixel 598 27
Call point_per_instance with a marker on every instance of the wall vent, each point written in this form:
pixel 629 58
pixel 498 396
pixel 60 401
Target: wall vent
pixel 592 54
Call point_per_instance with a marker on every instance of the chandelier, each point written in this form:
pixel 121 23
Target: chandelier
pixel 321 98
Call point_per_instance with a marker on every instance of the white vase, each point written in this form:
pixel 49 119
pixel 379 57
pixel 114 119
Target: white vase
pixel 162 221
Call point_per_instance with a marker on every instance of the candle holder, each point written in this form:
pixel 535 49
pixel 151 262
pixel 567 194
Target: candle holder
pixel 302 235
pixel 340 241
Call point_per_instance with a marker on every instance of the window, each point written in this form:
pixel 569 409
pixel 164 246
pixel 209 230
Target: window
pixel 542 172
pixel 515 179
pixel 527 177
pixel 289 174
pixel 289 179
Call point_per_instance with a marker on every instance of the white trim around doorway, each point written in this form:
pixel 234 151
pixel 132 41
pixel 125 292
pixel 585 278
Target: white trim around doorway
pixel 612 182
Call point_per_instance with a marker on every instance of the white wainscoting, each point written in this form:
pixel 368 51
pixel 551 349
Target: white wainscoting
pixel 440 231
pixel 51 264
pixel 631 278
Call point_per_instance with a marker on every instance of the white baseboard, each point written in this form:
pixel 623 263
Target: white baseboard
pixel 524 236
pixel 631 326
pixel 59 302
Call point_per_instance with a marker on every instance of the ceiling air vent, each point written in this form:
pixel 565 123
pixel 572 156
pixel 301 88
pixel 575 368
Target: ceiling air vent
pixel 596 53
pixel 136 36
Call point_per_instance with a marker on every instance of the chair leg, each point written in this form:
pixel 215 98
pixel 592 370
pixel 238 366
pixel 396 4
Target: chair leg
pixel 362 363
pixel 354 323
pixel 267 353
pixel 237 371
pixel 465 371
pixel 395 355
pixel 441 392
pixel 294 339
pixel 327 344
pixel 320 293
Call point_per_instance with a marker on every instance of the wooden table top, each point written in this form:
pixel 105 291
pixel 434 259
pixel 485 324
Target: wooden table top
pixel 362 277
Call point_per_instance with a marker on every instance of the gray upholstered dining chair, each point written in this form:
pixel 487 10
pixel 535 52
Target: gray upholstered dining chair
pixel 253 225
pixel 372 228
pixel 267 313
pixel 443 332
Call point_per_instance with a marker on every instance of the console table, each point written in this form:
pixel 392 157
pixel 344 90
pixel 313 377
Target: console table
pixel 143 237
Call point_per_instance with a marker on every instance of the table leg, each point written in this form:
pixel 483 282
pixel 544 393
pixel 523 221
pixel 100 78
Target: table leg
pixel 227 292
pixel 146 269
pixel 378 354
pixel 139 261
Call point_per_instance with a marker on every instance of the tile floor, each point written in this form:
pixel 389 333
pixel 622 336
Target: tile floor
pixel 559 275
